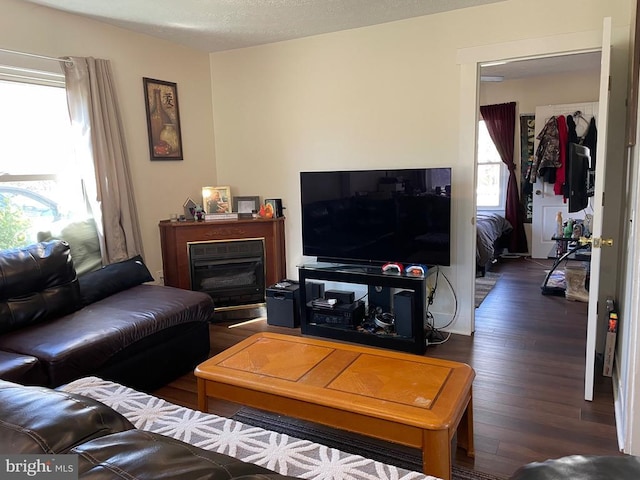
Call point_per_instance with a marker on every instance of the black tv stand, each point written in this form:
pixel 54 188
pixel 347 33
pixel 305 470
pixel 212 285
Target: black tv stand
pixel 369 276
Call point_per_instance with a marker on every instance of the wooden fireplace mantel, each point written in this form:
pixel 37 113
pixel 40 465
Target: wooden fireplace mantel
pixel 175 237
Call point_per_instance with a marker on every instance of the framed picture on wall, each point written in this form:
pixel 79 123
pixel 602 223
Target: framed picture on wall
pixel 163 119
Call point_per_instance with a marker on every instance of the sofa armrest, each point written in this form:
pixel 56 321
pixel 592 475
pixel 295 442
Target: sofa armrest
pixel 24 369
pixel 146 455
pixel 38 420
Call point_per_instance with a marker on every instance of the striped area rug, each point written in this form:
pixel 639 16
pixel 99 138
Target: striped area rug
pixel 484 285
pixel 284 454
pixel 384 452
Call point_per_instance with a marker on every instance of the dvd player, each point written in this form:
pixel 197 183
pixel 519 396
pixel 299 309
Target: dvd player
pixel 344 315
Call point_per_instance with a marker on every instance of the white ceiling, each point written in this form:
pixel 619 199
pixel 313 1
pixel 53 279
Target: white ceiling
pixel 217 25
pixel 536 67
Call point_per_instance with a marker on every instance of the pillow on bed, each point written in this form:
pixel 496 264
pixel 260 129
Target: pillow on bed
pixel 112 279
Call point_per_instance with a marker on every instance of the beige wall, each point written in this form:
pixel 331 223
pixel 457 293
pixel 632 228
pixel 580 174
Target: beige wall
pixel 374 97
pixel 160 187
pixel 542 90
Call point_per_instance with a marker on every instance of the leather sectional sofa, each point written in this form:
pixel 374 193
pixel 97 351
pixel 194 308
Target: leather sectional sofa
pixel 38 420
pixel 56 326
pixel 582 467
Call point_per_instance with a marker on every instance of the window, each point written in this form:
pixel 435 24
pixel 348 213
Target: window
pixel 38 188
pixel 490 191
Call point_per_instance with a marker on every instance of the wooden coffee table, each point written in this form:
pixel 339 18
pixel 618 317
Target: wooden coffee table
pixel 408 399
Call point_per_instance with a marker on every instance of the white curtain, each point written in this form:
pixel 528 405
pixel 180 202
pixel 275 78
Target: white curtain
pixel 96 120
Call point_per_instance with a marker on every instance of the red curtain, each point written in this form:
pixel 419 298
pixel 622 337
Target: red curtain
pixel 500 121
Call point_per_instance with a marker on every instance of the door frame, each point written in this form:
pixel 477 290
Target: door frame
pixel 469 59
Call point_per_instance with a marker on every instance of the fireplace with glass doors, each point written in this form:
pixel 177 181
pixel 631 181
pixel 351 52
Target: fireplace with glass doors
pixel 232 272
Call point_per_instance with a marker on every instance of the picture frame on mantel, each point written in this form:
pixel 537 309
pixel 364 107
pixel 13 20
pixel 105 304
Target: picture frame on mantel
pixel 163 119
pixel 245 206
pixel 216 199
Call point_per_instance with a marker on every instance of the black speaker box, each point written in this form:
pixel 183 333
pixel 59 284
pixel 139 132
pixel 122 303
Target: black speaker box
pixel 343 296
pixel 403 311
pixel 283 305
pixel 314 290
pixel 379 299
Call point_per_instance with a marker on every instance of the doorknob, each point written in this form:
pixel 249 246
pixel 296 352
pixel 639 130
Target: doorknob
pixel 538 192
pixel 597 242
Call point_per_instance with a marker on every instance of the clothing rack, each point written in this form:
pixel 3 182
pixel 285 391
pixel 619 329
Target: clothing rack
pixel 585 114
pixel 578 115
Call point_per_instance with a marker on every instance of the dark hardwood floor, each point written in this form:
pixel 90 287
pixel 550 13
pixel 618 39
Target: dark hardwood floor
pixel 528 353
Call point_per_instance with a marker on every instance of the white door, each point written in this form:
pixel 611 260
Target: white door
pixel 546 204
pixel 598 197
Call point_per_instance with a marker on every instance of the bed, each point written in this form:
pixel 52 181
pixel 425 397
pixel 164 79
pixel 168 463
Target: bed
pixel 492 237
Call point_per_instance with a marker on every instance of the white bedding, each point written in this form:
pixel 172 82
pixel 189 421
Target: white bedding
pixel 489 227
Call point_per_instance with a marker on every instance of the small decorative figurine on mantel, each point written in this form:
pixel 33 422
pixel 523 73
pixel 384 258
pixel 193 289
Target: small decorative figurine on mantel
pixel 266 210
pixel 199 213
pixel 193 211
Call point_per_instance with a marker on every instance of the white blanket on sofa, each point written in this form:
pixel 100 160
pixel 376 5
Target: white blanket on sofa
pixel 275 451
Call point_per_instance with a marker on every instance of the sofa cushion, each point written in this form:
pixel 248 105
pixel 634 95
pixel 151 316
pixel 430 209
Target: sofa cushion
pixel 113 278
pixel 21 368
pixel 82 238
pixel 37 283
pixel 145 455
pixel 82 342
pixel 39 420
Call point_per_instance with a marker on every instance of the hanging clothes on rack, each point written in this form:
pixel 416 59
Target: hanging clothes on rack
pixel 572 137
pixel 546 159
pixel 580 118
pixel 590 140
pixel 558 186
pixel 571 130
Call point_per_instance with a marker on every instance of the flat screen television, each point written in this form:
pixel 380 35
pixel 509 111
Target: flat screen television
pixel 580 177
pixel 377 216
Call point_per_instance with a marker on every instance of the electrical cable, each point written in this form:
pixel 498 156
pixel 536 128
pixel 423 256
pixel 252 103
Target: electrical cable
pixel 440 342
pixel 455 303
pixel 435 287
pixel 429 318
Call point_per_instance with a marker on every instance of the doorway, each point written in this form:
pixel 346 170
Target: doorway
pixel 533 83
pixel 469 60
pixel 539 84
pixel 603 98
